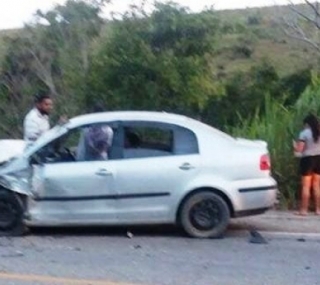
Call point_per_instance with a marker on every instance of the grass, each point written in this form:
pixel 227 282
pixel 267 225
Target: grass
pixel 270 42
pixel 3 35
pixel 278 126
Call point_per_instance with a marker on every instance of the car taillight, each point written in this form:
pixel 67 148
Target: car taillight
pixel 265 163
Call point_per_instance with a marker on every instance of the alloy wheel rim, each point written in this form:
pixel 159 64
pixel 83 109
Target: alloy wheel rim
pixel 205 215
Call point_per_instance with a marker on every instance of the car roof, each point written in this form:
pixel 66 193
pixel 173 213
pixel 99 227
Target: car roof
pixel 131 116
pixel 147 116
pixel 164 117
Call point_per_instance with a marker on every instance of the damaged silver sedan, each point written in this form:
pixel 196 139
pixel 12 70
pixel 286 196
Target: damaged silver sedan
pixel 159 168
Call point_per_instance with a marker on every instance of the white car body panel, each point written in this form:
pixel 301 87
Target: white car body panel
pixel 165 180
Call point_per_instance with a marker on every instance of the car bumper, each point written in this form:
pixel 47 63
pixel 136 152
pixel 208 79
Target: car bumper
pixel 251 212
pixel 254 197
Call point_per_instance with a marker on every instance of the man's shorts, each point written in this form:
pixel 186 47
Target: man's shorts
pixel 310 165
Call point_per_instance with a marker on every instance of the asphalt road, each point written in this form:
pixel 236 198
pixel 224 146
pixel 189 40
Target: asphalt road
pixel 155 257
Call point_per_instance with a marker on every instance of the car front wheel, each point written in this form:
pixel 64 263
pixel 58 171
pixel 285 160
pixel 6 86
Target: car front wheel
pixel 11 215
pixel 204 215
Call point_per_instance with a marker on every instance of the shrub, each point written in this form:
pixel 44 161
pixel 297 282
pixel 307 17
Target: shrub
pixel 254 20
pixel 279 125
pixel 242 50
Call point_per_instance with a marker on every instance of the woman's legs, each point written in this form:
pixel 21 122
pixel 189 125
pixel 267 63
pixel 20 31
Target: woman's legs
pixel 306 182
pixel 316 192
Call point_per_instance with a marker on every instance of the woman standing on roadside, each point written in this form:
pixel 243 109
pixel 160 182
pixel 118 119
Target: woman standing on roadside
pixel 308 146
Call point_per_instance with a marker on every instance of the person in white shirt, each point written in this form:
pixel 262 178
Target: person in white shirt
pixel 36 121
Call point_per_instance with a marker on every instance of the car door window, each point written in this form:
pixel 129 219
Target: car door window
pixel 62 149
pixel 95 143
pixel 185 141
pixel 87 143
pixel 155 139
pixel 142 141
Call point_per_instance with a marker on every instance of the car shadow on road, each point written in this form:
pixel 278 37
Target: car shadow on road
pixel 113 231
pixel 120 231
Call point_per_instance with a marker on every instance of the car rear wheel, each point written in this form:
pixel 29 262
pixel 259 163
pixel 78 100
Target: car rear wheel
pixel 204 215
pixel 11 215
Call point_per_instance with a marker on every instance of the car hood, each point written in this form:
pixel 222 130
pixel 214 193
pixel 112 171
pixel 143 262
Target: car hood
pixel 10 148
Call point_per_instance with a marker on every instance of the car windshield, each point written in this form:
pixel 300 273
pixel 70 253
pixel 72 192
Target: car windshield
pixel 48 136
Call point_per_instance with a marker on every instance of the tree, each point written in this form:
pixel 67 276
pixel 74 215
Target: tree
pixel 158 62
pixel 70 33
pixel 304 23
pixel 53 54
pixel 245 94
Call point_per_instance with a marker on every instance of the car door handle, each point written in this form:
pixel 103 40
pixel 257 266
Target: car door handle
pixel 186 166
pixel 103 172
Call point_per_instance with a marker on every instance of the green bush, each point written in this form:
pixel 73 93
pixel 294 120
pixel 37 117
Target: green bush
pixel 254 20
pixel 279 125
pixel 242 51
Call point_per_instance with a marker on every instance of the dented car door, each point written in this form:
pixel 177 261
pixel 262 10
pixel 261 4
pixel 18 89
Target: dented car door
pixel 68 190
pixel 73 191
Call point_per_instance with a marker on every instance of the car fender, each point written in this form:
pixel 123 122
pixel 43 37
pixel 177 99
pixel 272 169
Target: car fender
pixel 206 181
pixel 209 181
pixel 15 184
pixel 15 175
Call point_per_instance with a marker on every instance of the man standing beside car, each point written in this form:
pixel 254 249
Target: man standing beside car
pixel 36 121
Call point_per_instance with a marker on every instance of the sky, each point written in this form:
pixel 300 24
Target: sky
pixel 14 13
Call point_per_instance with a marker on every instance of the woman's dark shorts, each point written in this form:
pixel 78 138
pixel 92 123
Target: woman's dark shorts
pixel 310 165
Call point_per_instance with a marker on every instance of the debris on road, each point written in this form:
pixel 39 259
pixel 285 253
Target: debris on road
pixel 257 238
pixel 301 239
pixel 129 234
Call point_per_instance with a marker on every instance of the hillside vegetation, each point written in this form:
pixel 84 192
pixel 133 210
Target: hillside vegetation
pixel 249 36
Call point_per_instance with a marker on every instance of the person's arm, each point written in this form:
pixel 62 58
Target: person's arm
pixel 63 120
pixel 31 129
pixel 109 132
pixel 299 146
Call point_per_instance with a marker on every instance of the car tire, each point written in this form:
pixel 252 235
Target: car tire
pixel 204 215
pixel 11 215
